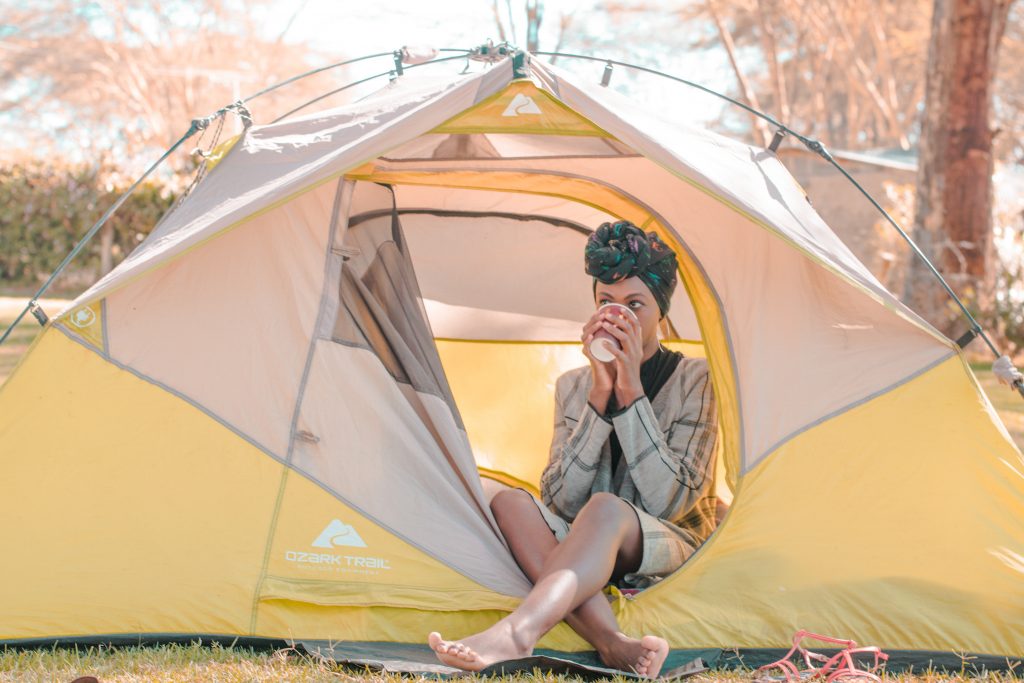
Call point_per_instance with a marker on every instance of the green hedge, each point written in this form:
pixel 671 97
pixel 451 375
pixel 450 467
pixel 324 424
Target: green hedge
pixel 46 209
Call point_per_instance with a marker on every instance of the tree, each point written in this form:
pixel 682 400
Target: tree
pixel 123 79
pixel 953 216
pixel 845 72
pixel 128 76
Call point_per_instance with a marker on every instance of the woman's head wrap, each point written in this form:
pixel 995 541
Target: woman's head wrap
pixel 617 251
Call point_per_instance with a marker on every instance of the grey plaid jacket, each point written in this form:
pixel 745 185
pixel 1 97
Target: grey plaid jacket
pixel 668 465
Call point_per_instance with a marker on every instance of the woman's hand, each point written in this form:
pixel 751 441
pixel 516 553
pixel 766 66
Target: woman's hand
pixel 626 329
pixel 603 373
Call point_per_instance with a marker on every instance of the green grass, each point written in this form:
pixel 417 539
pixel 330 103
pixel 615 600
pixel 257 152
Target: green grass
pixel 180 663
pixel 1009 404
pixel 170 663
pixel 16 345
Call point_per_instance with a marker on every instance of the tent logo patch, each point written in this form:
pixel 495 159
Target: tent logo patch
pixel 83 317
pixel 521 104
pixel 337 534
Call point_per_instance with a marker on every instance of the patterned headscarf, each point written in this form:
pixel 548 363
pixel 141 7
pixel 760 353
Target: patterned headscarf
pixel 617 251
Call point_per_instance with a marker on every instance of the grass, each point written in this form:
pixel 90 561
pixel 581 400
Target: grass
pixel 194 662
pixel 16 345
pixel 1009 404
pixel 167 663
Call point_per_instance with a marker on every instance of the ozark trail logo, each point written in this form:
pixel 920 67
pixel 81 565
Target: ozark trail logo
pixel 337 533
pixel 521 104
pixel 83 317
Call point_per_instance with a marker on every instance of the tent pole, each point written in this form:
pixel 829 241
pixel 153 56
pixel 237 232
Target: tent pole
pixel 33 304
pixel 818 148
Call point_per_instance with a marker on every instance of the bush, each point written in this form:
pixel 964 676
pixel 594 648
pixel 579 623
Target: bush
pixel 46 208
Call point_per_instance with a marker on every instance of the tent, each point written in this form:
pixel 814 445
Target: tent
pixel 269 420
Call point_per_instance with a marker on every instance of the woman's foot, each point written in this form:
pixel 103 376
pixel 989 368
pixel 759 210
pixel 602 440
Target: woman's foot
pixel 656 653
pixel 496 644
pixel 644 656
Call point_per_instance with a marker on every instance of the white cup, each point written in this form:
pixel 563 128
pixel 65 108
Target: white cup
pixel 599 347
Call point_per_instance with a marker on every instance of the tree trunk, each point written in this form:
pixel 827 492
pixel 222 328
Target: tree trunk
pixel 759 126
pixel 953 216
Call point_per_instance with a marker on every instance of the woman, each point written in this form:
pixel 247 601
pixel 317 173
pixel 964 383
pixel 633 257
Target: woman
pixel 628 492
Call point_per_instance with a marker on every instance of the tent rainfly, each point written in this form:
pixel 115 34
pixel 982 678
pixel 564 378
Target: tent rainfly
pixel 271 419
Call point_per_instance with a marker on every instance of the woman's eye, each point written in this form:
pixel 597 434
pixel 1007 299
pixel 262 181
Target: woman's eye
pixel 638 304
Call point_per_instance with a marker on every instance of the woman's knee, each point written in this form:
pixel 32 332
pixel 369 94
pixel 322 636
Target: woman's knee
pixel 608 508
pixel 509 503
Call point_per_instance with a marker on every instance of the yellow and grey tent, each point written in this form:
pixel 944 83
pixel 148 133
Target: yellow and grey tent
pixel 269 421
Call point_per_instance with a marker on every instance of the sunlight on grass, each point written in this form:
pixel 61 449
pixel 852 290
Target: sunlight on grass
pixel 15 346
pixel 194 662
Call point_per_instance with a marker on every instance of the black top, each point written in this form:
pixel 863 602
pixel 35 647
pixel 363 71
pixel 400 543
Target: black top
pixel 654 372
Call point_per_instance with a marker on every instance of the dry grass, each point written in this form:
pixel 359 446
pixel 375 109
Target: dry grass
pixel 16 345
pixel 180 663
pixel 1009 404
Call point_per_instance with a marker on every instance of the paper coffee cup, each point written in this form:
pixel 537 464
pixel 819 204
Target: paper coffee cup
pixel 599 346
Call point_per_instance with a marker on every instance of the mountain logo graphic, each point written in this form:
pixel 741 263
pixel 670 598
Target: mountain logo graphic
pixel 521 104
pixel 337 533
pixel 83 317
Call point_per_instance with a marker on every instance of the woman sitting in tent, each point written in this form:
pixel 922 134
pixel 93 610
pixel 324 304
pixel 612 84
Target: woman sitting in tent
pixel 628 492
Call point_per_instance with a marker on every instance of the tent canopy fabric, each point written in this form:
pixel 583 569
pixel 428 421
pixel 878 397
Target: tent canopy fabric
pixel 285 394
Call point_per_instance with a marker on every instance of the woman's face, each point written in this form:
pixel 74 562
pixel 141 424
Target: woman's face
pixel 634 295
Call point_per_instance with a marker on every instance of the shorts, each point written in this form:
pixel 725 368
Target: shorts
pixel 665 546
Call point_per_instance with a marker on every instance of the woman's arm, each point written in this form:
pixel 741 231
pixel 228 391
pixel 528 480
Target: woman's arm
pixel 575 452
pixel 672 471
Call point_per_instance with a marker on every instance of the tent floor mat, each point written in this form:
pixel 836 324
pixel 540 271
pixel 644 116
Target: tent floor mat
pixel 383 656
pixel 419 660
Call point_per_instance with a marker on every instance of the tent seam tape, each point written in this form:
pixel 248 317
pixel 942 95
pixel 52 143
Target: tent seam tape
pixel 313 185
pixel 150 268
pixel 104 331
pixel 290 467
pixel 526 130
pixel 666 340
pixel 80 338
pixel 705 547
pixel 844 409
pixel 553 221
pixel 174 392
pixel 519 158
pixel 310 351
pixel 764 224
pixel 254 609
pixel 364 347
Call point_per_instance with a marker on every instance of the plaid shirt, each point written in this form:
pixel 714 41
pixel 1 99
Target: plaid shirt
pixel 668 447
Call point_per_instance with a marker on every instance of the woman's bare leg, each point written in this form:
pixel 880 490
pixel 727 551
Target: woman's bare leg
pixel 605 541
pixel 531 541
